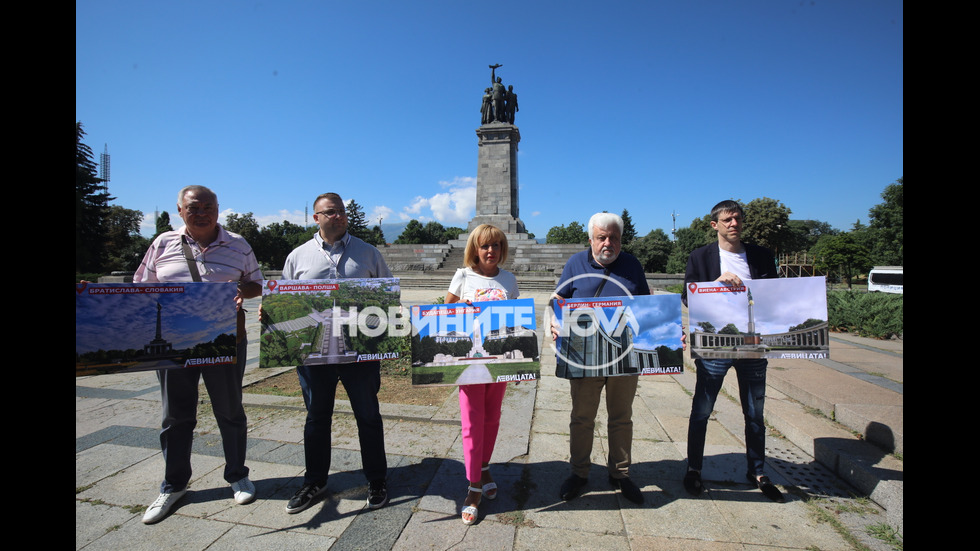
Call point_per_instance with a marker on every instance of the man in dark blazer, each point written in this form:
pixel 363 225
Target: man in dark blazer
pixel 731 262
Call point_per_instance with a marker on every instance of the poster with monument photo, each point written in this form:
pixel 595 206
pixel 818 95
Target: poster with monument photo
pixel 481 342
pixel 783 318
pixel 324 321
pixel 121 327
pixel 610 336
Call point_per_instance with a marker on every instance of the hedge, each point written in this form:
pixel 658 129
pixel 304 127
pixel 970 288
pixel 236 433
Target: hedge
pixel 877 315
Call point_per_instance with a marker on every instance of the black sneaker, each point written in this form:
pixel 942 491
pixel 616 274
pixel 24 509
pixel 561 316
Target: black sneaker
pixel 572 487
pixel 768 488
pixel 628 488
pixel 377 494
pixel 305 496
pixel 692 483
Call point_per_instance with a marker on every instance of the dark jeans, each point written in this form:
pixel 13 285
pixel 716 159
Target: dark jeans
pixel 362 381
pixel 178 390
pixel 752 393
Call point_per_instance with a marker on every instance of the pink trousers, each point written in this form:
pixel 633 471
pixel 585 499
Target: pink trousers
pixel 479 408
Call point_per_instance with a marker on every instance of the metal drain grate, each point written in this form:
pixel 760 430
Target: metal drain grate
pixel 803 471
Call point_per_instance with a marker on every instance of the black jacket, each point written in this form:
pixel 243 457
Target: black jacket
pixel 704 264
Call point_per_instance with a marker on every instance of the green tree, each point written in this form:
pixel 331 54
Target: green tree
pixel 629 231
pixel 124 244
pixel 767 224
pixel 811 322
pixel 729 329
pixel 244 225
pixel 91 209
pixel 163 224
pixel 843 253
pixel 886 226
pixel 706 326
pixel 377 236
pixel 413 233
pixel 653 250
pixel 805 233
pixel 433 232
pixel 356 221
pixel 450 233
pixel 277 240
pixel 688 239
pixel 574 234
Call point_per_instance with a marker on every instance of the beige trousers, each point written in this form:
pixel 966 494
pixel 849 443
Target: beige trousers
pixel 586 393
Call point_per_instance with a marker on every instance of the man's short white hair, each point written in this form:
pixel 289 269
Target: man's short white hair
pixel 605 221
pixel 200 191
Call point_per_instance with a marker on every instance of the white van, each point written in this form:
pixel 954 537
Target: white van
pixel 887 279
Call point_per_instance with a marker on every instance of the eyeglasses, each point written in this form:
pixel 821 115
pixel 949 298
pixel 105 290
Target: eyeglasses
pixel 331 213
pixel 201 210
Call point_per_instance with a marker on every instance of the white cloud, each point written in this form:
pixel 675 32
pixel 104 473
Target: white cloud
pixel 459 182
pixel 455 206
pixel 378 214
pixel 148 226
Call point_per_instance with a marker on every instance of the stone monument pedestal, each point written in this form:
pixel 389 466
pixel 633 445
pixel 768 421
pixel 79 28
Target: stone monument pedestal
pixel 496 181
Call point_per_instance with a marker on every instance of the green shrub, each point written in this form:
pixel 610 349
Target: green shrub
pixel 877 315
pixel 87 277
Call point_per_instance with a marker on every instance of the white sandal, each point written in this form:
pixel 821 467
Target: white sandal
pixel 489 487
pixel 471 509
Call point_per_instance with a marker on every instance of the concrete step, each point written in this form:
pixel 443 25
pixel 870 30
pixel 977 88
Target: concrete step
pixel 862 464
pixel 874 412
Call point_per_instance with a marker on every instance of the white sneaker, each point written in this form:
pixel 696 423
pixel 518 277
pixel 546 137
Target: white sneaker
pixel 244 491
pixel 159 508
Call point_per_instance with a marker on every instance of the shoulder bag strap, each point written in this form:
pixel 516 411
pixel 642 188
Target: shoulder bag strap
pixel 189 256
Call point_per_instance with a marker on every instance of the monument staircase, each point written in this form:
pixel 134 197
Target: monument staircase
pixel 537 266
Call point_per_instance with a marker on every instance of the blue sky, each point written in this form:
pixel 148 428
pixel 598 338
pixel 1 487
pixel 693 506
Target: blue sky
pixel 657 107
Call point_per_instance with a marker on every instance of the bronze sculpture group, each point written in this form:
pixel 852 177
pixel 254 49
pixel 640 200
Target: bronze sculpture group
pixel 499 103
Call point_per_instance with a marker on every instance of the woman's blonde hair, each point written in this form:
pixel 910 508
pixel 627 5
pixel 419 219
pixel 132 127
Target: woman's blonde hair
pixel 481 235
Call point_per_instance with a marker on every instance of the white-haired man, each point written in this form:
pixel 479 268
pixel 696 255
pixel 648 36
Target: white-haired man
pixel 608 272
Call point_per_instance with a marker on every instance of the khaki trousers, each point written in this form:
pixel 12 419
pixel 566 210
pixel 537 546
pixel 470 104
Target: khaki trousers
pixel 586 393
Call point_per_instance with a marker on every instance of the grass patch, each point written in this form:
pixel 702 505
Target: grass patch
pixel 860 506
pixel 825 516
pixel 515 518
pixel 396 386
pixel 887 534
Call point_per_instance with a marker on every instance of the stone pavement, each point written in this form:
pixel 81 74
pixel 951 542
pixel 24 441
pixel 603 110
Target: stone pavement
pixel 820 464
